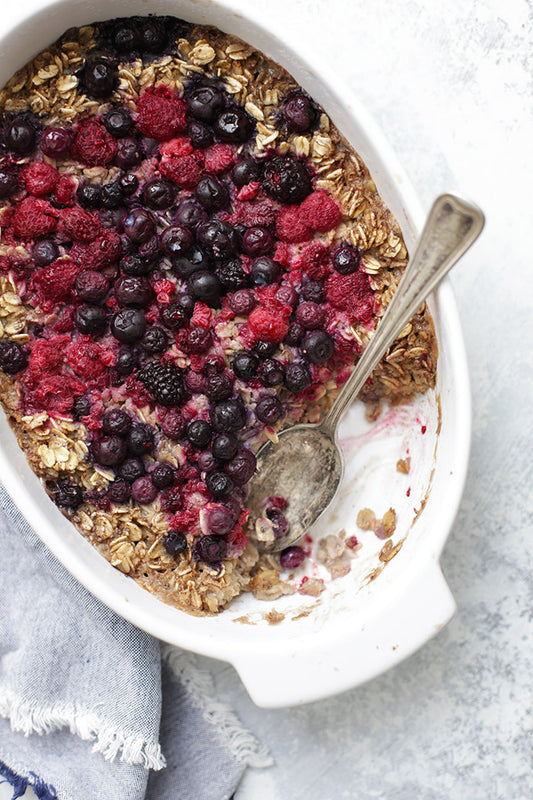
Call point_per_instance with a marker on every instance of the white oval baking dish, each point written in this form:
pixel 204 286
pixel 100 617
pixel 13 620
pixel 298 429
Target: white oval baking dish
pixel 358 628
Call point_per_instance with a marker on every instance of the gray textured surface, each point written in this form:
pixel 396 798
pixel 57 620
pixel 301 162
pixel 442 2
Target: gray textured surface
pixel 450 83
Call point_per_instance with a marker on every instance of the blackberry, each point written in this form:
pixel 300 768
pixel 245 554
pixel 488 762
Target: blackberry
pixel 164 382
pixel 231 275
pixel 287 179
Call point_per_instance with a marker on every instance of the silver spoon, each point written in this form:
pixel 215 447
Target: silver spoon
pixel 306 465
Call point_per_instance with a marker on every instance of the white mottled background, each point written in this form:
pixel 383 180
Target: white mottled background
pixel 450 82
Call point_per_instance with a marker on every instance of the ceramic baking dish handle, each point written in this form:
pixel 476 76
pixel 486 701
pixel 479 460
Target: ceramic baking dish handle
pixel 308 672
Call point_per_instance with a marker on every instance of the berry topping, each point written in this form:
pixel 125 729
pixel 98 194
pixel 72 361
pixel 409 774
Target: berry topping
pixel 351 293
pixel 257 241
pixel 40 178
pixel 8 180
pixel 245 366
pixel 68 495
pixel 270 325
pixel 317 346
pixel 158 194
pixel 131 469
pixel 199 433
pixel 220 519
pixel 243 302
pixel 225 446
pixel 164 382
pixel 109 451
pixel 173 316
pixel 228 415
pixel 139 225
pixel 163 475
pixel 346 260
pixel 211 193
pixel 292 557
pixel 299 113
pixel 98 77
pixel 199 134
pixel 154 340
pixel 93 145
pixel 153 36
pixel 116 422
pixel 205 286
pixel 20 136
pixel 44 252
pixel 133 291
pixel 231 274
pixel 190 214
pixel 217 238
pixel 287 179
pixel 241 467
pixel 265 270
pixel 56 142
pixel 310 315
pixel 161 113
pixel 290 226
pixel 297 377
pixel 211 549
pixel 233 125
pixel 118 122
pixel 198 340
pixel 119 491
pixel 128 325
pixel 271 372
pixel 269 409
pixel 175 542
pixel 90 319
pixel 176 240
pixel 34 218
pixel 219 484
pixel 245 172
pixel 91 286
pixel 143 490
pixel 13 358
pixel 320 211
pixel 140 440
pixel 205 102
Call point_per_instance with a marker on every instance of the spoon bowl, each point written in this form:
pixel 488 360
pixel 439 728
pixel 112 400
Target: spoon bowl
pixel 305 466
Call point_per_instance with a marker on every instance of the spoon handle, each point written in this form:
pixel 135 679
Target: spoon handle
pixel 451 228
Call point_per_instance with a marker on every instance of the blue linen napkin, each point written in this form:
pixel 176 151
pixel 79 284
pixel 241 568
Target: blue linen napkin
pixel 92 707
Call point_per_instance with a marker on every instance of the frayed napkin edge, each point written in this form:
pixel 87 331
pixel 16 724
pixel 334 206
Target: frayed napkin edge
pixel 111 742
pixel 245 748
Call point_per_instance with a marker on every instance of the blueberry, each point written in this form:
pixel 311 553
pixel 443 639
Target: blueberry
pixel 119 491
pixel 346 260
pixel 139 225
pixel 243 302
pixel 126 361
pixel 109 451
pixel 205 286
pixel 129 184
pixel 187 303
pixel 292 557
pixel 265 271
pixel 206 461
pixel 134 265
pixel 280 524
pixel 310 315
pixel 269 409
pixel 173 316
pixel 271 372
pixel 211 549
pixel 219 484
pixel 125 38
pixel 155 340
pixel 257 241
pixel 118 121
pixel 116 422
pixel 265 349
pixel 44 252
pixel 199 433
pixel 297 377
pixel 299 113
pixel 13 357
pixel 153 36
pixel 205 102
pixel 233 125
pixel 241 467
pixel 225 446
pixel 190 214
pixel 140 440
pixel 143 490
pixel 200 134
pixel 82 407
pixel 8 180
pixel 220 520
pixel 294 334
pixel 228 415
pixel 245 171
pixel 317 346
pixel 158 194
pixel 218 386
pixel 89 195
pixel 68 495
pixel 175 542
pixel 217 238
pixel 287 295
pixel 198 340
pixel 163 475
pixel 112 196
pixel 231 275
pixel 128 325
pixel 211 193
pixel 90 319
pixel 98 77
pixel 128 154
pixel 176 240
pixel 287 179
pixel 91 286
pixel 55 142
pixel 313 291
pixel 20 136
pixel 133 291
pixel 131 469
pixel 245 365
pixel 150 250
pixel 184 266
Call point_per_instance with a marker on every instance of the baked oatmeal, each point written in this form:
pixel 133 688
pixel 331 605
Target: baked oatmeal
pixel 191 259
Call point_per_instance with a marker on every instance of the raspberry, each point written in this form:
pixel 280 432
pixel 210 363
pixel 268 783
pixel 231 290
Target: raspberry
pixel 94 145
pixel 161 114
pixel 79 225
pixel 252 214
pixel 290 226
pixel 351 293
pixel 249 191
pixel 201 315
pixel 185 170
pixel 46 355
pixel 40 178
pixel 320 211
pixel 181 146
pixel 100 253
pixel 314 260
pixel 65 190
pixel 56 281
pixel 55 394
pixel 218 158
pixel 270 324
pixel 85 359
pixel 33 218
pixel 164 382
